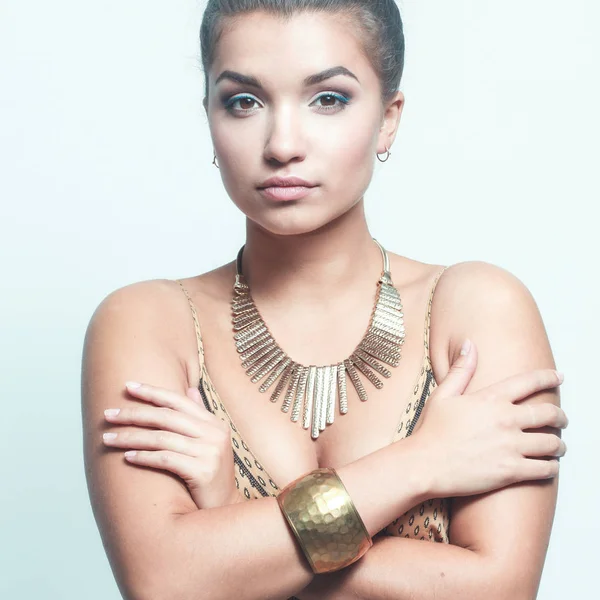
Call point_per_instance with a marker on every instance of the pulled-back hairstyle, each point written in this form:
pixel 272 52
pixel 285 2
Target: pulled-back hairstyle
pixel 378 20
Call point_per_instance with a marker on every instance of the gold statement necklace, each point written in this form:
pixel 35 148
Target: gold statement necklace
pixel 315 390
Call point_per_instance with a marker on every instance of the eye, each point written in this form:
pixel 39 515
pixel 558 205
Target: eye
pixel 326 102
pixel 331 102
pixel 244 102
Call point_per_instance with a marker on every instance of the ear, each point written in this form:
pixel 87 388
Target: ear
pixel 390 122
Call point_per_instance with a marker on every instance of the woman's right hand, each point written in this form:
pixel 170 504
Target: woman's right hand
pixel 474 443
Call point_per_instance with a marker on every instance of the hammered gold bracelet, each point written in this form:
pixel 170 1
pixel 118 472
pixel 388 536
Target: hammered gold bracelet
pixel 325 521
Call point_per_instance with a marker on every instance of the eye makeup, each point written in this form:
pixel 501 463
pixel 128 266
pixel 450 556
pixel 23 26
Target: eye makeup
pixel 341 101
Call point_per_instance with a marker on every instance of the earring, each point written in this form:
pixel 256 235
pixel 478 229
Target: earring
pixel 388 154
pixel 214 162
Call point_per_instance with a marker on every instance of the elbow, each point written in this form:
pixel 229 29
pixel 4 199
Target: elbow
pixel 178 567
pixel 505 580
pixel 511 593
pixel 521 586
pixel 504 590
pixel 140 585
pixel 167 578
pixel 523 593
pixel 161 588
pixel 513 586
pixel 171 584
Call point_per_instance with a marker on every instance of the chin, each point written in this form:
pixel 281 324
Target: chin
pixel 295 220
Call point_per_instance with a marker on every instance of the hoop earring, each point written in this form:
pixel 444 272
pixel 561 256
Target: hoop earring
pixel 214 162
pixel 388 154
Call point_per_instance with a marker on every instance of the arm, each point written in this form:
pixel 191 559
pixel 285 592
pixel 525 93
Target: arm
pixel 160 546
pixel 499 539
pixel 396 568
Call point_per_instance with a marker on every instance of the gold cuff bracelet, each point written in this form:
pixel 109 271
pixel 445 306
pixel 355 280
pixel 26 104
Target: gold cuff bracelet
pixel 325 521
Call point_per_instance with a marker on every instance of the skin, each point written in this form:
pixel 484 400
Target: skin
pixel 288 128
pixel 307 260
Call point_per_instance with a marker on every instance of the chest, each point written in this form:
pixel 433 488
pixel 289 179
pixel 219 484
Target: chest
pixel 283 447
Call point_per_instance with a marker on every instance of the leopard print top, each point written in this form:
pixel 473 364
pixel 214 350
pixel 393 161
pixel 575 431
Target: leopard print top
pixel 428 521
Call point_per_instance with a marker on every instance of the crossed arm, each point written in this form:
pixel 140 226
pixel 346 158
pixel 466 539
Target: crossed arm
pixel 498 540
pixel 161 546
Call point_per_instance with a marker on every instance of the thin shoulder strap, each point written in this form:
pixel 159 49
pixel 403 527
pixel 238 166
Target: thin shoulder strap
pixel 428 315
pixel 196 325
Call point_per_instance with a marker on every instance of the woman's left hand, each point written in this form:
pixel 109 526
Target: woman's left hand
pixel 185 439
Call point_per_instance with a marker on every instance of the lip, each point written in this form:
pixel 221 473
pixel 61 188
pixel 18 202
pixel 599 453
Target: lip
pixel 282 182
pixel 283 193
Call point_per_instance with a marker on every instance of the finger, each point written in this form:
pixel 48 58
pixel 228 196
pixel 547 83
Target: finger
pixel 167 399
pixel 538 468
pixel 153 440
pixel 532 416
pixel 158 418
pixel 186 467
pixel 520 386
pixel 541 444
pixel 460 373
pixel 194 394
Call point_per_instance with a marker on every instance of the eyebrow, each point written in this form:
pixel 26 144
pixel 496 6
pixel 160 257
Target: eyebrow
pixel 308 81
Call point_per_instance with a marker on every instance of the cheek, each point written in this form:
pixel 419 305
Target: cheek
pixel 235 141
pixel 350 153
pixel 356 147
pixel 237 146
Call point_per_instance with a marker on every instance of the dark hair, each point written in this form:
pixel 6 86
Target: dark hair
pixel 379 19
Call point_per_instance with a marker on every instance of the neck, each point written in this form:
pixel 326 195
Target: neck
pixel 315 266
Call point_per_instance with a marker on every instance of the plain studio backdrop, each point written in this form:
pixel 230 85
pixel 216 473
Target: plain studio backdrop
pixel 106 179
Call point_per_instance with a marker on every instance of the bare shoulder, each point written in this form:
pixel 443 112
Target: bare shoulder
pixel 472 298
pixel 161 310
pixel 154 309
pixel 461 280
pixel 146 296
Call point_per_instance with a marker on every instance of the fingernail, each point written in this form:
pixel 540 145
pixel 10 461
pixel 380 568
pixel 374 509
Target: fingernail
pixel 130 453
pixel 112 412
pixel 561 376
pixel 465 347
pixel 109 436
pixel 133 384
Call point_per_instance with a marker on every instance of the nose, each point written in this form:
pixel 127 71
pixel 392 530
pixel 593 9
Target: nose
pixel 285 137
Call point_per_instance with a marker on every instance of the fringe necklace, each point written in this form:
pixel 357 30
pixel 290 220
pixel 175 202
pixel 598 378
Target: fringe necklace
pixel 315 390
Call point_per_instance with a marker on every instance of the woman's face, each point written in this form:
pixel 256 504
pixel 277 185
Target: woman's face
pixel 296 98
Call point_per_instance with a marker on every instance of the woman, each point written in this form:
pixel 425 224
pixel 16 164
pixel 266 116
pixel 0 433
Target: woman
pixel 301 97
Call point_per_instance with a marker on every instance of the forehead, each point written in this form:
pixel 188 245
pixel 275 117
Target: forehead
pixel 276 49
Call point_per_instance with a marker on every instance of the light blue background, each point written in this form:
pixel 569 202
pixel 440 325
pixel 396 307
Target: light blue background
pixel 106 179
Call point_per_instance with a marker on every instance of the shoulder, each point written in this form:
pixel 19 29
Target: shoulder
pixel 153 314
pixel 470 281
pixel 143 301
pixel 158 313
pixel 475 299
pixel 159 300
pixel 478 289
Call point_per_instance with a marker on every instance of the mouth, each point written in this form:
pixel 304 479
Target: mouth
pixel 282 193
pixel 286 188
pixel 286 182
